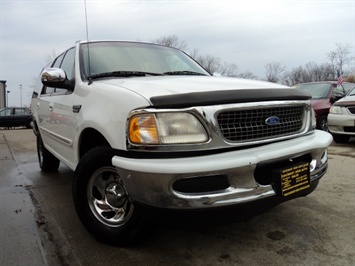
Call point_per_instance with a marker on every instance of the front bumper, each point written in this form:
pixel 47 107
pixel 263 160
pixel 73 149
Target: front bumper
pixel 338 123
pixel 151 181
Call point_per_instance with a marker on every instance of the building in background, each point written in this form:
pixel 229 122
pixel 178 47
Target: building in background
pixel 3 94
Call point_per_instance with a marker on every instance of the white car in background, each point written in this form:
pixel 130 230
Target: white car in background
pixel 341 118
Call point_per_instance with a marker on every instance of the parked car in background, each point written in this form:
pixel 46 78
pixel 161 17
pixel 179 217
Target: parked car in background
pixel 15 117
pixel 324 95
pixel 341 118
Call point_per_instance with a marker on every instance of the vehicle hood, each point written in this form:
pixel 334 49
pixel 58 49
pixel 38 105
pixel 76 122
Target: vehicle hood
pixel 168 91
pixel 159 86
pixel 319 103
pixel 346 101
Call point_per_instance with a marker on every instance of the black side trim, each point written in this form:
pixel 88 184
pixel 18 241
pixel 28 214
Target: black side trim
pixel 228 96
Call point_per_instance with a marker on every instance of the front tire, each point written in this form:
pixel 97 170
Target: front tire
pixel 101 200
pixel 47 161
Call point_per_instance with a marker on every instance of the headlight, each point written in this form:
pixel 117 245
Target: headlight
pixel 166 128
pixel 336 110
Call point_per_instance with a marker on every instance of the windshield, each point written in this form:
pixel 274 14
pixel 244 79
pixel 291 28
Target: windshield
pixel 352 92
pixel 107 57
pixel 318 91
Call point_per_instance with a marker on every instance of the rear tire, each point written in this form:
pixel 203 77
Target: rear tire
pixel 101 200
pixel 28 125
pixel 47 161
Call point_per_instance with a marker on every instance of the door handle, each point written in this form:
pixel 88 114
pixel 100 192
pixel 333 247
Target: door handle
pixel 51 107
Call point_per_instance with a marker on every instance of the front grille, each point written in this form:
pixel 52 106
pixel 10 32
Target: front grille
pixel 351 109
pixel 250 125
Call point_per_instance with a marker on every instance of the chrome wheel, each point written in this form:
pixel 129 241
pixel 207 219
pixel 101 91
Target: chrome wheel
pixel 107 197
pixel 102 202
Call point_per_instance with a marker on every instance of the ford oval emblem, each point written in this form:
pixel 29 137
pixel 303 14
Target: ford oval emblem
pixel 272 120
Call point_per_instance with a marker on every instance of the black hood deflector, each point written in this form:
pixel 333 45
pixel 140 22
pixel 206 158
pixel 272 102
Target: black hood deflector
pixel 227 97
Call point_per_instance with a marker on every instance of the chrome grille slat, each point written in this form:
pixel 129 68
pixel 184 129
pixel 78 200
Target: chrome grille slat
pixel 249 125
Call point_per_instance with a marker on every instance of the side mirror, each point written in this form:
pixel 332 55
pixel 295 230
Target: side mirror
pixel 55 77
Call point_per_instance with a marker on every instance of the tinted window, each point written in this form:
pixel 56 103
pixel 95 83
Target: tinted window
pixel 6 112
pixel 58 61
pixel 20 111
pixel 68 63
pixel 338 91
pixel 348 86
pixel 317 90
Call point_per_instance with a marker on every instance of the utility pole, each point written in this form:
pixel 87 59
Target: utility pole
pixel 7 98
pixel 21 93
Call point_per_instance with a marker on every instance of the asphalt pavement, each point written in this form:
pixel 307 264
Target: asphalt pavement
pixel 20 241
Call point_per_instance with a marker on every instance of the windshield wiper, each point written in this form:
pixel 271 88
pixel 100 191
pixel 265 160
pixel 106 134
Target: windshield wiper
pixel 184 72
pixel 122 74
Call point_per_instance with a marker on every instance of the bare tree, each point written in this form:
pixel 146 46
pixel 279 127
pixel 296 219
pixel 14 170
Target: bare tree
pixel 274 71
pixel 50 56
pixel 310 72
pixel 340 57
pixel 228 70
pixel 318 72
pixel 211 63
pixel 247 75
pixel 194 53
pixel 295 76
pixel 172 41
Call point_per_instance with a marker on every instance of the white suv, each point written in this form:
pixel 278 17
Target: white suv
pixel 145 127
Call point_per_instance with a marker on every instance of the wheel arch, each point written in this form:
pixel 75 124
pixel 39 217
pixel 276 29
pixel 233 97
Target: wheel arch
pixel 35 127
pixel 89 139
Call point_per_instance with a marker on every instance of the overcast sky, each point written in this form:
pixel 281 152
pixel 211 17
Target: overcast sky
pixel 248 33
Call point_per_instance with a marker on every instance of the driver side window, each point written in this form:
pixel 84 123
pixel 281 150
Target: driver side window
pixel 66 62
pixel 338 91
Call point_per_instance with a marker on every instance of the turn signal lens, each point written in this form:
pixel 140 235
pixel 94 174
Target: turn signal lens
pixel 143 129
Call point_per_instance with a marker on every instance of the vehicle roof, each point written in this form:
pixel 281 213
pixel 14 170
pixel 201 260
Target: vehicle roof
pixel 122 41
